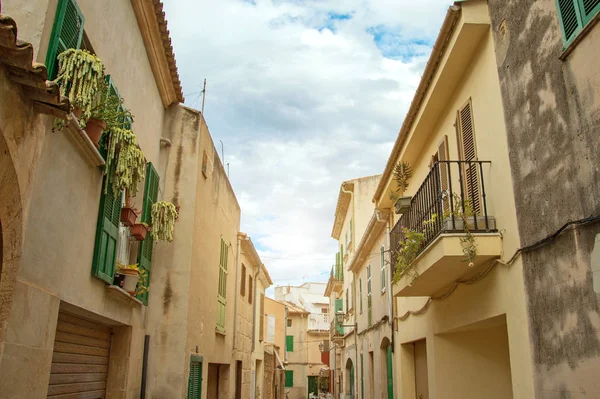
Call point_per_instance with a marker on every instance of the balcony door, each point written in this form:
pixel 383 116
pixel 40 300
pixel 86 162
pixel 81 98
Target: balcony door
pixel 467 151
pixel 442 155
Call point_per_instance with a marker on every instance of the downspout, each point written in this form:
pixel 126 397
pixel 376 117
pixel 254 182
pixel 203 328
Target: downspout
pixel 390 279
pixel 235 304
pixel 285 334
pixel 254 310
pixel 353 220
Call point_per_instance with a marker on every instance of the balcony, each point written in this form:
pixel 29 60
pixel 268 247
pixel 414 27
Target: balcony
pixel 452 233
pixel 336 333
pixel 318 322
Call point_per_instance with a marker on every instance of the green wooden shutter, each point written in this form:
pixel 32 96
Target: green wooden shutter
pixel 150 197
pixel 107 237
pixel 339 307
pixel 195 380
pixel 383 275
pixel 289 378
pixel 289 343
pixel 390 374
pixel 67 32
pixel 570 19
pixel 589 9
pixel 222 286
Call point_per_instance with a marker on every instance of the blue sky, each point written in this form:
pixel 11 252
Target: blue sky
pixel 304 94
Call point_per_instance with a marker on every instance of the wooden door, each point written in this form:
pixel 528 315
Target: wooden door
pixel 421 378
pixel 80 358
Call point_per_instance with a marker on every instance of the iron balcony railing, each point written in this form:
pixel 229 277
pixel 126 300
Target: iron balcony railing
pixel 452 193
pixel 336 331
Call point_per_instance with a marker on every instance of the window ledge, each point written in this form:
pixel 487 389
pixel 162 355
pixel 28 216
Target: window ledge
pixel 217 331
pixel 383 291
pixel 580 36
pixel 119 293
pixel 83 143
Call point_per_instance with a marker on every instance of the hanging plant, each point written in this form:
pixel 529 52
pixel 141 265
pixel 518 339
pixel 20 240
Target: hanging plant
pixel 108 107
pixel 80 75
pixel 125 162
pixel 164 215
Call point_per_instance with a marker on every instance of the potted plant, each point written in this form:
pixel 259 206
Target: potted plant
pixel 132 276
pixel 107 113
pixel 128 213
pixel 164 214
pixel 80 75
pixel 139 231
pixel 402 174
pixel 125 162
pixel 143 285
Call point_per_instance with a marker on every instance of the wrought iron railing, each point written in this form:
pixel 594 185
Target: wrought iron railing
pixel 452 195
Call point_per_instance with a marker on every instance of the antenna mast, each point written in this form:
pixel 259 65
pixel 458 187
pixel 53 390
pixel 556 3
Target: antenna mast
pixel 203 97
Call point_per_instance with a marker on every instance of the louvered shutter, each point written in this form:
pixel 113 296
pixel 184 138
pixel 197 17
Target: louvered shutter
pixel 145 251
pixel 570 19
pixel 589 8
pixel 289 378
pixel 195 380
pixel 107 236
pixel 442 155
pixel 289 343
pixel 67 32
pixel 222 287
pixel 468 152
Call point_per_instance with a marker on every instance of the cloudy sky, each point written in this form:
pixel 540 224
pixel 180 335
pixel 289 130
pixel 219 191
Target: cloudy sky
pixel 304 94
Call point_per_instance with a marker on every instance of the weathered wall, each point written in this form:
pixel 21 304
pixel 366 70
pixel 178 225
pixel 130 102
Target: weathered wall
pixel 552 112
pixel 269 375
pixel 277 309
pixel 244 321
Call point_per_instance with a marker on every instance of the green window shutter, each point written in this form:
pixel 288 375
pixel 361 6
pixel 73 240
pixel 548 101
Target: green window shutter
pixel 569 18
pixel 107 237
pixel 289 343
pixel 195 380
pixel 67 32
pixel 339 307
pixel 289 378
pixel 222 286
pixel 383 275
pixel 145 251
pixel 589 9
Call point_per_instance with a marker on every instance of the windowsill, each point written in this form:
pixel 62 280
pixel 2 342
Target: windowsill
pixel 580 36
pixel 383 291
pixel 217 331
pixel 119 293
pixel 85 146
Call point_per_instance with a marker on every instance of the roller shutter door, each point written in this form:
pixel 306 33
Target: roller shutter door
pixel 80 359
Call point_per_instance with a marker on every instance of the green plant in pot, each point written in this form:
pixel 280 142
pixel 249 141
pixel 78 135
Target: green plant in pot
pixel 402 175
pixel 80 76
pixel 107 113
pixel 164 214
pixel 139 231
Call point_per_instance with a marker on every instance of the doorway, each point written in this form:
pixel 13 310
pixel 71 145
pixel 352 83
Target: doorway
pixel 312 386
pixel 421 378
pixel 238 379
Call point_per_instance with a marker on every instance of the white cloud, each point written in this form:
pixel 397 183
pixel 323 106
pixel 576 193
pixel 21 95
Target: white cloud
pixel 303 96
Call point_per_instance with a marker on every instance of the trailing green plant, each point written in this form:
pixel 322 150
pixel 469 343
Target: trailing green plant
pixel 143 285
pixel 164 215
pixel 402 175
pixel 125 162
pixel 408 252
pixel 464 210
pixel 80 75
pixel 109 108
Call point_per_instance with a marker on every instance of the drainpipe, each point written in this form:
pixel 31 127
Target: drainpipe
pixel 285 334
pixel 237 273
pixel 254 310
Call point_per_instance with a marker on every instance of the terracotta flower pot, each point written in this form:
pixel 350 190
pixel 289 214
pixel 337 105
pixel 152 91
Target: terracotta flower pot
pixel 94 129
pixel 138 231
pixel 128 216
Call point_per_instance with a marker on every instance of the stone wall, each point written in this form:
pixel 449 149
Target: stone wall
pixel 269 373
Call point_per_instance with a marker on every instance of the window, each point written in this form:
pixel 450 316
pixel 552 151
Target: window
pixel 67 32
pixel 289 343
pixel 289 322
pixel 289 378
pixel 383 275
pixel 145 251
pixel 195 378
pixel 467 150
pixel 324 310
pixel 243 287
pixel 250 292
pixel 573 15
pixel 222 287
pixel 369 304
pixel 360 292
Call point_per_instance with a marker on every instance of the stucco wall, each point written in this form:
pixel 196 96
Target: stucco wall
pixel 552 112
pixel 277 309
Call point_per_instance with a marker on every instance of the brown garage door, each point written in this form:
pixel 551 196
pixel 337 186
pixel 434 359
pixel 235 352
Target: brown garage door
pixel 80 359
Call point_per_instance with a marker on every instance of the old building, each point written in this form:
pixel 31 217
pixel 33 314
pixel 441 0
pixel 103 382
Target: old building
pixel 274 347
pixel 352 216
pixel 460 308
pixel 546 59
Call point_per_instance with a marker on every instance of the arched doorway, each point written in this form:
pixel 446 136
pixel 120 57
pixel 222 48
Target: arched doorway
pixel 350 390
pixel 388 374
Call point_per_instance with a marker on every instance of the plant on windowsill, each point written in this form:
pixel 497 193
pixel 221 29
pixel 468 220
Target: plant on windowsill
pixel 125 162
pixel 402 175
pixel 139 231
pixel 132 276
pixel 143 285
pixel 164 214
pixel 79 77
pixel 107 113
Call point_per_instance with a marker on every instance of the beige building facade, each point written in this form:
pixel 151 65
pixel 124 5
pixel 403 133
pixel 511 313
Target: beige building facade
pixel 459 301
